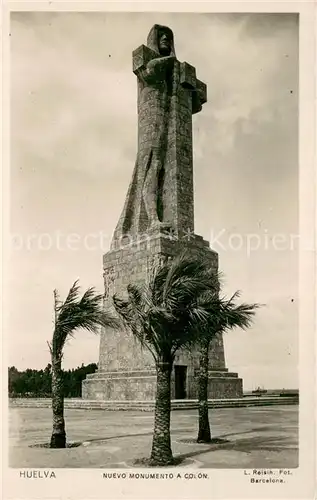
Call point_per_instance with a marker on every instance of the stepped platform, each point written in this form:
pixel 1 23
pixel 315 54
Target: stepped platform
pixel 178 404
pixel 140 385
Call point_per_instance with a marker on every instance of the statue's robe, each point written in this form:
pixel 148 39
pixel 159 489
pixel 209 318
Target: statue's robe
pixel 156 86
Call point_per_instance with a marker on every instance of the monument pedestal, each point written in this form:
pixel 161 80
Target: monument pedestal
pixel 140 385
pixel 125 370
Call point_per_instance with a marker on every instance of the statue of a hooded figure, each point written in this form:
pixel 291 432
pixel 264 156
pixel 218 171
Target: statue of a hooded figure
pixel 158 74
pixel 144 206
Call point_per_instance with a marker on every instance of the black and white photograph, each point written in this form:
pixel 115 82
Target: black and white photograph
pixel 153 288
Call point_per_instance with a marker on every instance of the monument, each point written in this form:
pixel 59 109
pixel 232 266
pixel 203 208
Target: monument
pixel 157 222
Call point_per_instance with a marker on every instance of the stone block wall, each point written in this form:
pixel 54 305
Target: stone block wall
pixel 120 386
pixel 126 371
pixel 132 264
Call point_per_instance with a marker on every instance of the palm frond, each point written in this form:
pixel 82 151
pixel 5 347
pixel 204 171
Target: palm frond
pixel 179 306
pixel 226 314
pixel 76 313
pixel 240 316
pixel 129 316
pixel 72 296
pixel 156 282
pixel 236 295
pixel 186 279
pixel 135 294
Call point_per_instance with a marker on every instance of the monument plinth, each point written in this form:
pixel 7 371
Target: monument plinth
pixel 156 223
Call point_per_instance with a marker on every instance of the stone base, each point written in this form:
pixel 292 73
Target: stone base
pixel 120 386
pixel 126 370
pixel 224 385
pixel 141 386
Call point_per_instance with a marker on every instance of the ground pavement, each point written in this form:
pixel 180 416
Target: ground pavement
pixel 261 437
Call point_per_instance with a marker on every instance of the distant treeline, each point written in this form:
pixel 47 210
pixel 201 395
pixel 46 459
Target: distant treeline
pixel 37 383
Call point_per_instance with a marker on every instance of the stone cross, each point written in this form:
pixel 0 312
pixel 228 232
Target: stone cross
pixel 161 190
pixel 188 80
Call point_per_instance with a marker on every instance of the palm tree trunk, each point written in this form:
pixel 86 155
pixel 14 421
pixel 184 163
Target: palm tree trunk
pixel 58 439
pixel 204 435
pixel 161 446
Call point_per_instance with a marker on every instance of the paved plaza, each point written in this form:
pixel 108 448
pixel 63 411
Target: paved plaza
pixel 262 437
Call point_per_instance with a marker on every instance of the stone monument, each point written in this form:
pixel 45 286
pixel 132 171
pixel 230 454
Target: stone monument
pixel 157 222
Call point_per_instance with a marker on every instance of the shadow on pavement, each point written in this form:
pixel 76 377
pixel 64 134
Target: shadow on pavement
pixel 276 444
pixel 102 439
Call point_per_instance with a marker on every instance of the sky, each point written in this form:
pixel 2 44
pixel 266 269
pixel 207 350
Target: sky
pixel 73 148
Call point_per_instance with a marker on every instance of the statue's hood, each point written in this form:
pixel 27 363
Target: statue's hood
pixel 152 39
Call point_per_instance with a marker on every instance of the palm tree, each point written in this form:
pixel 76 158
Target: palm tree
pixel 162 314
pixel 223 315
pixel 87 313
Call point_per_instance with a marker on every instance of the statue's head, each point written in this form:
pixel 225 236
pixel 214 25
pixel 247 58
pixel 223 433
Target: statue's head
pixel 161 40
pixel 165 39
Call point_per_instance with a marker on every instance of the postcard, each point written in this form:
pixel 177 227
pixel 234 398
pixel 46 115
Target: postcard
pixel 159 191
